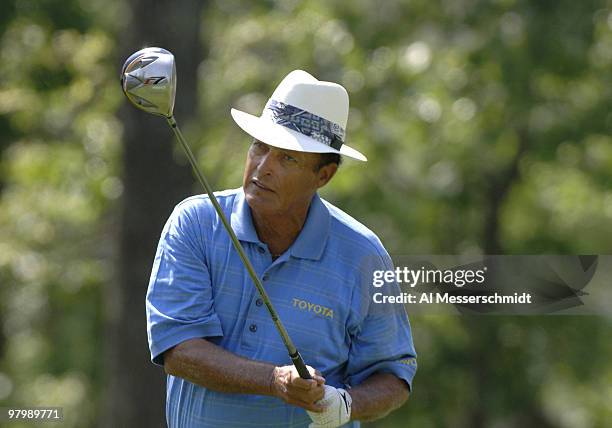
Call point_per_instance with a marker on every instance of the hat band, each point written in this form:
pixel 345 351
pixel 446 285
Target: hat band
pixel 306 123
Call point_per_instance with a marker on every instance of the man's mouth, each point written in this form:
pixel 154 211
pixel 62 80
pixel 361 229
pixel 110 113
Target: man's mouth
pixel 260 185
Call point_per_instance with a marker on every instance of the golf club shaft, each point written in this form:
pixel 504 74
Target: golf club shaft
pixel 295 356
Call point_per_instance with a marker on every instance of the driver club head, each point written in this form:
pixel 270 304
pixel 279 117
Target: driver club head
pixel 148 79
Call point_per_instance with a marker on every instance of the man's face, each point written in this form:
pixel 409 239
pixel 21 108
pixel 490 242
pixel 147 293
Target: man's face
pixel 279 181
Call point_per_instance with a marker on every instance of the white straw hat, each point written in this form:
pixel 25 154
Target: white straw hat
pixel 303 114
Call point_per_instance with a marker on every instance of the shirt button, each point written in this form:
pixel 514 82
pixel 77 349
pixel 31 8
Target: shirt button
pixel 261 250
pixel 253 328
pixel 259 302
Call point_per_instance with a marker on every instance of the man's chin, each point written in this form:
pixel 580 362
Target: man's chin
pixel 260 203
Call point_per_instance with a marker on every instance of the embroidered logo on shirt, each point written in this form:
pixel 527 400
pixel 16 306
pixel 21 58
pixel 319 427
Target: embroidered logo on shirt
pixel 311 307
pixel 409 361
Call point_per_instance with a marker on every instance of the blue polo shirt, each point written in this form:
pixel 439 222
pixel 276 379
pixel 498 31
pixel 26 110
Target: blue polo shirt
pixel 321 288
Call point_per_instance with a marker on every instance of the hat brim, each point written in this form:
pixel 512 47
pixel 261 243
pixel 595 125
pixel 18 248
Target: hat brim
pixel 280 136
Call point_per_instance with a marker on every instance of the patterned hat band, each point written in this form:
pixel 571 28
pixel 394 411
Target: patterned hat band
pixel 306 123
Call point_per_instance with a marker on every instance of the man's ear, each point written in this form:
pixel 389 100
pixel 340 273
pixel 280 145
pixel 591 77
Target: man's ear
pixel 325 173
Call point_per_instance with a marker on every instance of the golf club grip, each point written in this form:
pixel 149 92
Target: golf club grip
pixel 299 364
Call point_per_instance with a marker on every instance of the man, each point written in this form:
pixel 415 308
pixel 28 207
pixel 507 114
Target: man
pixel 207 326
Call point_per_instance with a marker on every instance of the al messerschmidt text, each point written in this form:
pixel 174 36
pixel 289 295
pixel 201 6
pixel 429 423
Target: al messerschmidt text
pixel 496 298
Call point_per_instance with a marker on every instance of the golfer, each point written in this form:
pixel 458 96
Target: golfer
pixel 208 327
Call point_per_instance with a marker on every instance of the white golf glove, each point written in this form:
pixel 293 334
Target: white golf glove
pixel 337 403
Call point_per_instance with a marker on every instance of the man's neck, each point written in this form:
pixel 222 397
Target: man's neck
pixel 279 231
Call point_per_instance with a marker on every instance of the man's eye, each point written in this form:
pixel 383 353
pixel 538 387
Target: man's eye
pixel 290 158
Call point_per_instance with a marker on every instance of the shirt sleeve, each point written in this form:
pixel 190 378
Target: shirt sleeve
pixel 382 339
pixel 179 300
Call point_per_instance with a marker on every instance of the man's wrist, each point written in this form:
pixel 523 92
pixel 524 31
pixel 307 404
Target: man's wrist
pixel 272 382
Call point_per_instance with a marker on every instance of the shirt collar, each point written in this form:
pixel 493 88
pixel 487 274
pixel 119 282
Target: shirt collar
pixel 241 219
pixel 311 241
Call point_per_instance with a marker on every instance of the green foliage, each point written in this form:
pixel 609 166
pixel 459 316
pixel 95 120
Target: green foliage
pixel 472 113
pixel 58 175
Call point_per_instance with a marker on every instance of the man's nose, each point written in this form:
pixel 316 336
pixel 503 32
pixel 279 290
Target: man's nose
pixel 267 163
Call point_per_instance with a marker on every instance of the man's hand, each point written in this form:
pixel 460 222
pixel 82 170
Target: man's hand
pixel 287 385
pixel 337 409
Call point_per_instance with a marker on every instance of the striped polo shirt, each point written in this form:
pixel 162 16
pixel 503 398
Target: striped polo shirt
pixel 321 288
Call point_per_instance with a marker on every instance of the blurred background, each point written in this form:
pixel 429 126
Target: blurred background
pixel 487 125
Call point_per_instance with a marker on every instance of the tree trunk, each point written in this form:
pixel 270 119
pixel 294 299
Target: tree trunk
pixel 497 194
pixel 153 183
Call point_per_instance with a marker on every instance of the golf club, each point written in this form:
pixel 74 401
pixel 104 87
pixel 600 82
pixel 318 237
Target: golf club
pixel 148 79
